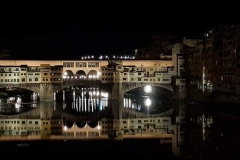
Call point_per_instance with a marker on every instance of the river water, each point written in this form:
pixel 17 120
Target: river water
pixel 210 130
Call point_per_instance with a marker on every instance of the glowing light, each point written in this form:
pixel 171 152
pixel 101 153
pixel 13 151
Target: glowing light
pixel 98 127
pixel 148 89
pixel 17 105
pixel 148 102
pixel 65 128
pixel 19 100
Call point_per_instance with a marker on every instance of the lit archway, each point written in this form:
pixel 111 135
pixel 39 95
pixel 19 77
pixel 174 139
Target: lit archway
pixel 93 75
pixel 68 74
pixel 81 74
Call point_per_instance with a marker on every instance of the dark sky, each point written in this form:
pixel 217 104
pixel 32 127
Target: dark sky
pixel 70 33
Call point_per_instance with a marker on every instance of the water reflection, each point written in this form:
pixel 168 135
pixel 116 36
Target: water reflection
pixel 196 130
pixel 16 104
pixel 147 104
pixel 83 100
pixel 211 131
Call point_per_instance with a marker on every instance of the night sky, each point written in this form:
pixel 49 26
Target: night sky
pixel 72 33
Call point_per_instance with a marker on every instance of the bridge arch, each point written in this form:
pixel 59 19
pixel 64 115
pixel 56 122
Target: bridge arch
pixel 68 74
pixel 130 86
pixel 92 124
pixel 30 87
pixel 69 124
pixel 92 74
pixel 81 124
pixel 81 74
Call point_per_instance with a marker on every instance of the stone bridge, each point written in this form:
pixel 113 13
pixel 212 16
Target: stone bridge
pixel 46 90
pixel 116 91
pixel 130 86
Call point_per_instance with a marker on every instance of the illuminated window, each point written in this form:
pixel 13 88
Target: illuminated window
pixel 81 64
pixel 93 64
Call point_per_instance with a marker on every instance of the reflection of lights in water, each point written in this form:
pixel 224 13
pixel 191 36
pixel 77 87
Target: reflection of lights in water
pixel 90 100
pixel 11 100
pixel 17 105
pixel 19 100
pixel 34 105
pixel 104 94
pixel 98 127
pixel 34 96
pixel 65 128
pixel 148 102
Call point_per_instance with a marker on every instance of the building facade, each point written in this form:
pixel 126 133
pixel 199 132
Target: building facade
pixel 30 74
pixel 29 127
pixel 212 65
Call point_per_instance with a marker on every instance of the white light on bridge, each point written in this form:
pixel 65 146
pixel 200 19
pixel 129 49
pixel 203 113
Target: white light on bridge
pixel 65 128
pixel 148 89
pixel 98 127
pixel 98 73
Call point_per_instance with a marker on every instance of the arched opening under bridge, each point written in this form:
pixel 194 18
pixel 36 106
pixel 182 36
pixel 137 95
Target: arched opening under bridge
pixel 68 124
pixel 17 100
pixel 92 124
pixel 68 74
pixel 93 75
pixel 80 124
pixel 81 74
pixel 152 101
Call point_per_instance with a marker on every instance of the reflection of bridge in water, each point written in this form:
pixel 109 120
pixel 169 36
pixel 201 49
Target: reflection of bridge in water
pixel 115 78
pixel 65 126
pixel 50 122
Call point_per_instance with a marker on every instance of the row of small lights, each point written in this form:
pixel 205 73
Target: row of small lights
pixel 107 57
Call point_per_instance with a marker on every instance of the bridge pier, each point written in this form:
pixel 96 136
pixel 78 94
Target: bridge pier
pixel 117 97
pixel 46 92
pixel 116 101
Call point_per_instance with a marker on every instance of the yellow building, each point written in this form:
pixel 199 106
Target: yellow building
pixel 45 71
